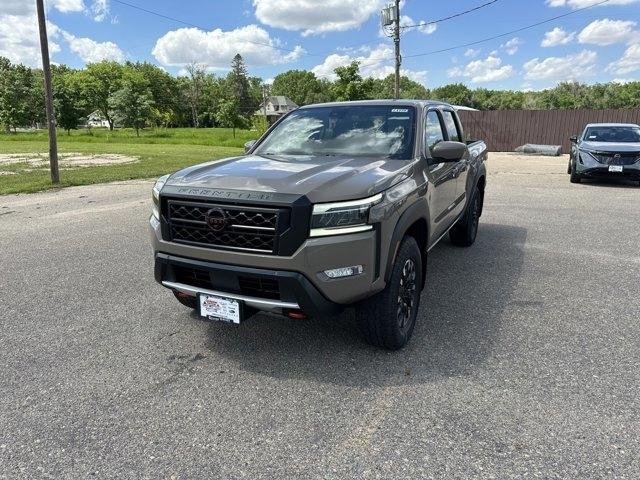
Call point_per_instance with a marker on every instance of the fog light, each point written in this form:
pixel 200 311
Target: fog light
pixel 344 271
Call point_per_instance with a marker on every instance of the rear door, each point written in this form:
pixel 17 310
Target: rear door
pixel 442 175
pixel 461 168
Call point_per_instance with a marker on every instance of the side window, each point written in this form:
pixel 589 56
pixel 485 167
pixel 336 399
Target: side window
pixel 452 128
pixel 433 133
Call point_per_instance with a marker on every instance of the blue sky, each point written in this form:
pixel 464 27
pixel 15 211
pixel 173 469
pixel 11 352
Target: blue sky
pixel 595 45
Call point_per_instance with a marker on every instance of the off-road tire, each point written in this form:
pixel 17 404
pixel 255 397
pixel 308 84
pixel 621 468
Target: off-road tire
pixel 569 168
pixel 465 231
pixel 383 319
pixel 189 302
pixel 575 176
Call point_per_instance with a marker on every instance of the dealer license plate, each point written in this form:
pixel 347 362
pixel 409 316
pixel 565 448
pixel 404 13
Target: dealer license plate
pixel 219 308
pixel 615 168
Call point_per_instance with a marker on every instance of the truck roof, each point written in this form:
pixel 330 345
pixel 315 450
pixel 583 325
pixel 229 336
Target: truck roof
pixel 402 102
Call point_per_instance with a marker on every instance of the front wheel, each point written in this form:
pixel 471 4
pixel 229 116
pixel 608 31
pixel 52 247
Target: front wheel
pixel 575 176
pixel 465 231
pixel 387 319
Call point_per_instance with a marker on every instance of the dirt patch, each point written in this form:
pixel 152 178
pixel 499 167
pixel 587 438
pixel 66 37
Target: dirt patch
pixel 34 161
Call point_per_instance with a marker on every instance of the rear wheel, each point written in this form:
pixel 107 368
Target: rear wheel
pixel 465 231
pixel 387 319
pixel 186 300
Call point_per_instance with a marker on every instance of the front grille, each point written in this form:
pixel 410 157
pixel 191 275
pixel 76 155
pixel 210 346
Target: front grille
pixel 192 276
pixel 246 228
pixel 260 287
pixel 613 158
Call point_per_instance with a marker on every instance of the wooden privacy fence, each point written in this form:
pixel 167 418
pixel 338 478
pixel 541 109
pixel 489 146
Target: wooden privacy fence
pixel 504 130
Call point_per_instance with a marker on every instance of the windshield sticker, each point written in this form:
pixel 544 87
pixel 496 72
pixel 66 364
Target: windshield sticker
pixel 399 110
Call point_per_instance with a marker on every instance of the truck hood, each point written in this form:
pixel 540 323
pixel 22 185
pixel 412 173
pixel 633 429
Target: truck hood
pixel 320 178
pixel 611 146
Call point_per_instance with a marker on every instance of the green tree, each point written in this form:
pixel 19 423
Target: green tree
pixel 99 81
pixel 350 85
pixel 133 103
pixel 21 95
pixel 164 90
pixel 229 116
pixel 385 88
pixel 193 91
pixel 301 86
pixel 69 104
pixel 455 94
pixel 240 88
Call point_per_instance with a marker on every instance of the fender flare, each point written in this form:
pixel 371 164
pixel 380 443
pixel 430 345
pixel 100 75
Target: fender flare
pixel 417 211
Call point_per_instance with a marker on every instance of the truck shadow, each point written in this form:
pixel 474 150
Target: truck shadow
pixel 462 308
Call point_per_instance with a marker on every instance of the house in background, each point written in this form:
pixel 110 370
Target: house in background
pixel 96 119
pixel 276 106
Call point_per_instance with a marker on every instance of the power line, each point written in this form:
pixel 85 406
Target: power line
pixel 450 17
pixel 189 24
pixel 537 24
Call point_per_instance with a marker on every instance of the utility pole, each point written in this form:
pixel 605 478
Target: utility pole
pixel 396 41
pixel 48 94
pixel 390 16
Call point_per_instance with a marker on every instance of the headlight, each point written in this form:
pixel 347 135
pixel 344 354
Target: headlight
pixel 342 217
pixel 155 194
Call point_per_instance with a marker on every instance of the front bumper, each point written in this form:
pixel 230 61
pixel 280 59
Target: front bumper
pixel 298 275
pixel 587 166
pixel 287 290
pixel 631 172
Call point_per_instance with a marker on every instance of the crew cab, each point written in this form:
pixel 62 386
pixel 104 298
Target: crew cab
pixel 605 150
pixel 337 205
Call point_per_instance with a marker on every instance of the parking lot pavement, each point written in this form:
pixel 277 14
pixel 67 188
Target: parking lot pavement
pixel 524 362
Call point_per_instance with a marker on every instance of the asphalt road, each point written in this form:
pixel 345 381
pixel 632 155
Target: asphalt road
pixel 524 362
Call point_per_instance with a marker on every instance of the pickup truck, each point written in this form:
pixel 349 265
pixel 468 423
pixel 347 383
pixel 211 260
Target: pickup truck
pixel 337 205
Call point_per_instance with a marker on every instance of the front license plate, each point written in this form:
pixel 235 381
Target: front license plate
pixel 615 168
pixel 219 308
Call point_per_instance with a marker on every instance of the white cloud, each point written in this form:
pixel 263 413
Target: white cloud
pixel 91 51
pixel 575 4
pixel 99 10
pixel 623 81
pixel 216 49
pixel 490 69
pixel 557 36
pixel 512 46
pixel 19 36
pixel 20 41
pixel 608 32
pixel 375 63
pixel 569 67
pixel 313 17
pixel 630 61
pixel 66 6
pixel 472 53
pixel 423 27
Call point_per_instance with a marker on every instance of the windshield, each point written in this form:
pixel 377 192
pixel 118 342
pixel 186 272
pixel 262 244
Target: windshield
pixel 367 131
pixel 613 134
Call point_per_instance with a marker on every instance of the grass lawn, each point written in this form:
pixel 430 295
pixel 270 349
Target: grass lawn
pixel 156 151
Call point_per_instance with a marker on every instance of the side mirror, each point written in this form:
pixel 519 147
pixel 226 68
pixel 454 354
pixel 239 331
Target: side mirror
pixel 449 151
pixel 574 139
pixel 249 145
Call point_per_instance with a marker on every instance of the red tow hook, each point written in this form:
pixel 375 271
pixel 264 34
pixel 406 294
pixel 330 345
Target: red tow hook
pixel 296 314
